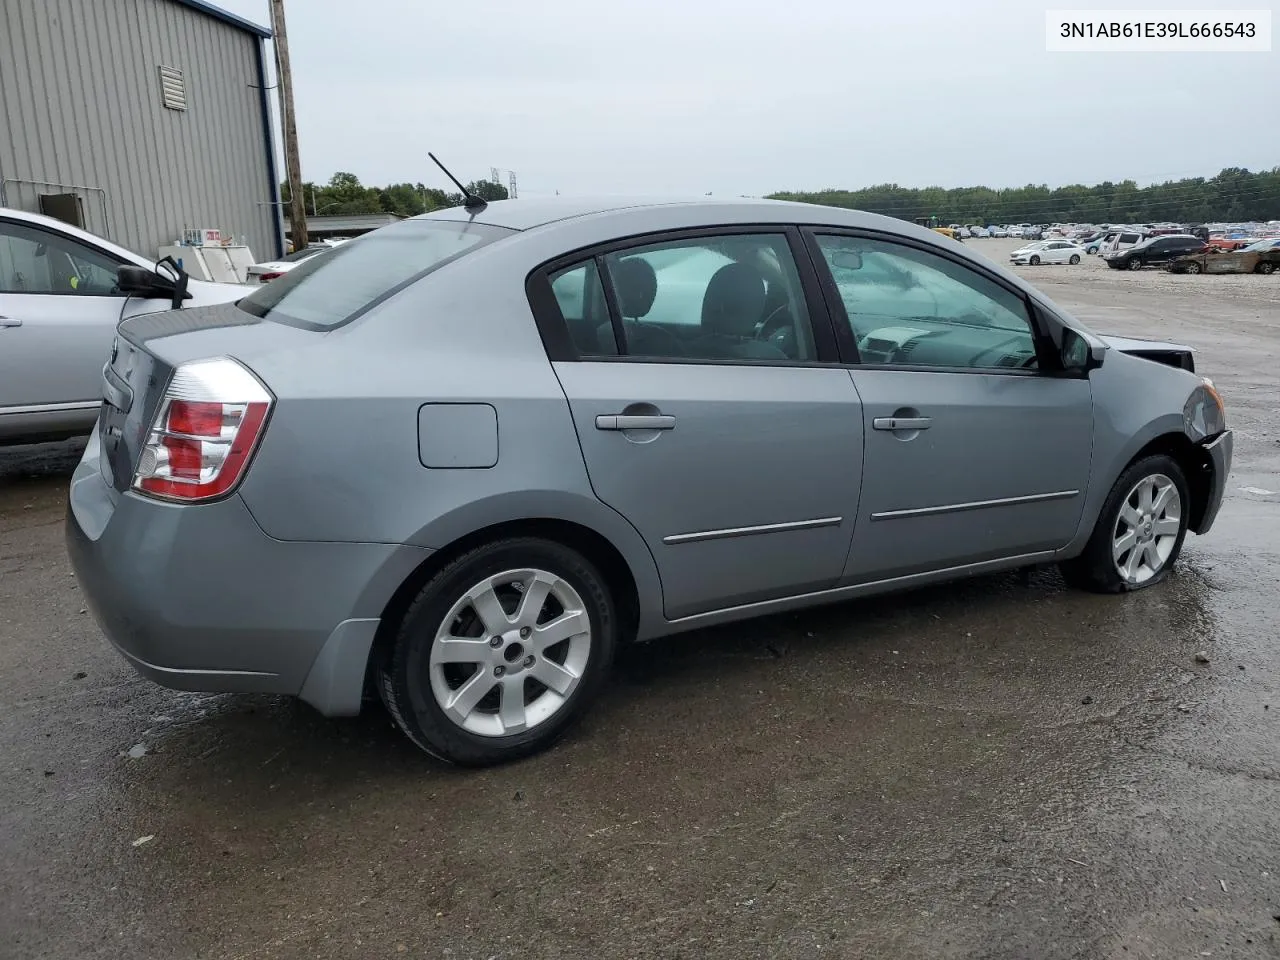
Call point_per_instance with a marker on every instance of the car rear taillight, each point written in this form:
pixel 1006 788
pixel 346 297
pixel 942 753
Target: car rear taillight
pixel 264 277
pixel 205 431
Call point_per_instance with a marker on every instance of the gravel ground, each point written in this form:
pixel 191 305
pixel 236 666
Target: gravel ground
pixel 1002 768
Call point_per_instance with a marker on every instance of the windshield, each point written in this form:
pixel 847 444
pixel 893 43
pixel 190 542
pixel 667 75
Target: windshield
pixel 324 292
pixel 1264 244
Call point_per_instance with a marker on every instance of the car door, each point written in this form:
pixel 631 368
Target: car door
pixel 58 313
pixel 976 449
pixel 1060 251
pixel 701 373
pixel 1160 251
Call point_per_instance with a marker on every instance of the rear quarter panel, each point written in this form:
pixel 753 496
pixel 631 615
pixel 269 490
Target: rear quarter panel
pixel 341 459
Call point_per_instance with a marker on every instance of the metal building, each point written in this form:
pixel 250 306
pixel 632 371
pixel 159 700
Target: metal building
pixel 143 118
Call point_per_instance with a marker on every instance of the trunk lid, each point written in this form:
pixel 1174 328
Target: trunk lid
pixel 148 348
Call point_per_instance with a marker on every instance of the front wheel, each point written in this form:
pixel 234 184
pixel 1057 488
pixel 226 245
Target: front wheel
pixel 500 652
pixel 1190 268
pixel 1035 261
pixel 1135 264
pixel 1075 258
pixel 1139 532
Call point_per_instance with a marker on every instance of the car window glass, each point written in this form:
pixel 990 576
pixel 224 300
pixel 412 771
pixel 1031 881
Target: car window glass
pixel 327 291
pixel 33 260
pixel 712 298
pixel 909 306
pixel 580 296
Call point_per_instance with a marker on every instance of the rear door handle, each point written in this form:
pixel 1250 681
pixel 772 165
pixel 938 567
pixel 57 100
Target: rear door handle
pixel 9 322
pixel 901 423
pixel 619 421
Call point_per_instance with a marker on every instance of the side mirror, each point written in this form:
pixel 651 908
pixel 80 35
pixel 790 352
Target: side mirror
pixel 847 259
pixel 1079 354
pixel 141 282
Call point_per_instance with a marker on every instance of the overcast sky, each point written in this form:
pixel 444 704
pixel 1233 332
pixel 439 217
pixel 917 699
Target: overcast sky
pixel 753 96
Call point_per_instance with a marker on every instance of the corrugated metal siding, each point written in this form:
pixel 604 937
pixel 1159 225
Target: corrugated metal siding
pixel 81 107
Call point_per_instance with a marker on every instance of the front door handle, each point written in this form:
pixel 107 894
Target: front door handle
pixel 621 421
pixel 10 322
pixel 901 423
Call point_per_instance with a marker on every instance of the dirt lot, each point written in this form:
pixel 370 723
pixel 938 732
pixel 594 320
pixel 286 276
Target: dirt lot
pixel 997 769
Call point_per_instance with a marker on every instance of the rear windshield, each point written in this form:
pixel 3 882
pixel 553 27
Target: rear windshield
pixel 324 292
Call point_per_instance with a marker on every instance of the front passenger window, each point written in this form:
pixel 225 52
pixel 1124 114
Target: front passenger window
pixel 912 307
pixel 36 261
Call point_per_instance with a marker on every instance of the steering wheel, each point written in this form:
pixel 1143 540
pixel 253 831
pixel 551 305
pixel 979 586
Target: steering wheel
pixel 779 329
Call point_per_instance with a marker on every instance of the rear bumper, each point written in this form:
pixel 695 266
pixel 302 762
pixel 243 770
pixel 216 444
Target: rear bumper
pixel 1219 451
pixel 198 598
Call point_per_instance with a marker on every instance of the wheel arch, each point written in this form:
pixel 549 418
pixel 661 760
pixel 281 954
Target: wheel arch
pixel 1196 464
pixel 612 545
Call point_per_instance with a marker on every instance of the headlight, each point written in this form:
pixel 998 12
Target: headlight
pixel 1203 415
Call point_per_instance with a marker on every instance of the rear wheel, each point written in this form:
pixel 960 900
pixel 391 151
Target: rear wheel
pixel 1075 258
pixel 1265 267
pixel 1139 532
pixel 500 652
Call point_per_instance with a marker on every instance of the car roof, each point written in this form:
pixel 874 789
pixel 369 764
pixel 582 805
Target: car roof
pixel 60 226
pixel 527 214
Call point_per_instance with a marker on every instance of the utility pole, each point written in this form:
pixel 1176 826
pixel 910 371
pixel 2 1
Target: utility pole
pixel 293 166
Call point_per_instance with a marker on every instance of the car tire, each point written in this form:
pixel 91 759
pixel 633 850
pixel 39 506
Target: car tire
pixel 1190 268
pixel 1105 565
pixel 1134 263
pixel 1034 261
pixel 1075 258
pixel 1265 268
pixel 452 701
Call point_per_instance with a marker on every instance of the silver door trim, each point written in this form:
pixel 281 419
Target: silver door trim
pixel 700 535
pixel 836 594
pixel 85 405
pixel 974 505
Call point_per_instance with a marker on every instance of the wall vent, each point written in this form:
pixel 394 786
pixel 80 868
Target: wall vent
pixel 173 89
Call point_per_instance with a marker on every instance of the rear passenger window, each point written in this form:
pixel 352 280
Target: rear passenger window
pixel 580 296
pixel 711 298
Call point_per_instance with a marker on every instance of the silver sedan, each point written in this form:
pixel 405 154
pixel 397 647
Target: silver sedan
pixel 456 462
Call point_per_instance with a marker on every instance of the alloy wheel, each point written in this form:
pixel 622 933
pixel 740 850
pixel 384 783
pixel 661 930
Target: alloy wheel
pixel 1147 529
pixel 510 652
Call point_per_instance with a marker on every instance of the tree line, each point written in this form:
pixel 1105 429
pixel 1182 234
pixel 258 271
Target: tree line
pixel 344 194
pixel 1235 194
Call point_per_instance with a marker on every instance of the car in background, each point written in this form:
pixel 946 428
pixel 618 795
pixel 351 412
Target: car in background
pixel 994 231
pixel 1155 251
pixel 1262 256
pixel 1047 251
pixel 1096 242
pixel 60 301
pixel 1119 242
pixel 269 270
pixel 466 498
pixel 1224 243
